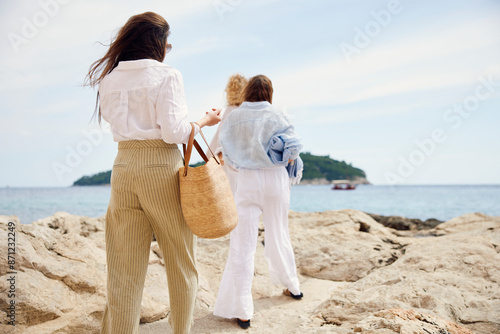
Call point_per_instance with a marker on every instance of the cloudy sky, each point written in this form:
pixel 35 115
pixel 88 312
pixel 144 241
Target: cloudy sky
pixel 409 91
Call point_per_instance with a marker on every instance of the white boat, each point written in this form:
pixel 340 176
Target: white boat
pixel 343 185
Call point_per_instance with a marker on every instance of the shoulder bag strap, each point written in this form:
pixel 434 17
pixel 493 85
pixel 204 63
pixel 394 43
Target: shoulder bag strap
pixel 205 140
pixel 188 150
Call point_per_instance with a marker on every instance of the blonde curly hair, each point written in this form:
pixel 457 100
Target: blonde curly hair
pixel 234 88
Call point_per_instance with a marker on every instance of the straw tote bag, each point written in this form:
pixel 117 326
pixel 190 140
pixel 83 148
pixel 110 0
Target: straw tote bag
pixel 206 198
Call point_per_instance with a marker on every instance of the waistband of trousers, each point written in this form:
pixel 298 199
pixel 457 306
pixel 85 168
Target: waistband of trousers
pixel 149 143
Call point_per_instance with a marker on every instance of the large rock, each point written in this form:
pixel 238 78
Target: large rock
pixel 342 245
pixel 403 321
pixel 471 224
pixel 61 276
pixel 455 276
pixel 387 283
pixel 66 223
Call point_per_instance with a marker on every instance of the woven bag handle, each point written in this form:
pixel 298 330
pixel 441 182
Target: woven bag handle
pixel 189 149
pixel 187 152
pixel 199 148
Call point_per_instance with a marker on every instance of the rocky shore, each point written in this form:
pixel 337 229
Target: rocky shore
pixel 357 275
pixel 405 224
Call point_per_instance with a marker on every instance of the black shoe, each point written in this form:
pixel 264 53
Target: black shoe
pixel 243 324
pixel 287 292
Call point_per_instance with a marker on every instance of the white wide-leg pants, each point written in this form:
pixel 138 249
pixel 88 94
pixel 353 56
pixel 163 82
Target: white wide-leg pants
pixel 232 176
pixel 266 192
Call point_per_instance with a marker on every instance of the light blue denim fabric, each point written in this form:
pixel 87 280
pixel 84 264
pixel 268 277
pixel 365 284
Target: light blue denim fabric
pixel 246 136
pixel 283 148
pixel 295 168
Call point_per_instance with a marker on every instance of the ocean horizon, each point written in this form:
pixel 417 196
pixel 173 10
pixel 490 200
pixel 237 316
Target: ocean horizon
pixel 441 202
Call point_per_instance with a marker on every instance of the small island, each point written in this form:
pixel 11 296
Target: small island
pixel 324 170
pixel 317 170
pixel 99 179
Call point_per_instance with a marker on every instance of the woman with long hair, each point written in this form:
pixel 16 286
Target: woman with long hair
pixel 263 187
pixel 143 101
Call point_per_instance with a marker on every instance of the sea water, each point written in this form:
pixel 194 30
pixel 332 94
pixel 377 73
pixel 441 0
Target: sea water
pixel 423 202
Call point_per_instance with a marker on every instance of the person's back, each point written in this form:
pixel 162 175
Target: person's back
pixel 263 188
pixel 247 132
pixel 143 101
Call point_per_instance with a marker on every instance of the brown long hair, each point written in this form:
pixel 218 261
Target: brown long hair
pixel 144 36
pixel 259 88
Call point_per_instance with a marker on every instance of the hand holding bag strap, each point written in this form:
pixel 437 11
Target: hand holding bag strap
pixel 187 152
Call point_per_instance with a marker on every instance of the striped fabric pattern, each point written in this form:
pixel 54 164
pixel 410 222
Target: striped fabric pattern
pixel 145 200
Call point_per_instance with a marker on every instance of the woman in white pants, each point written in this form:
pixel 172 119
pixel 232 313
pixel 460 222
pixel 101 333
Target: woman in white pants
pixel 262 188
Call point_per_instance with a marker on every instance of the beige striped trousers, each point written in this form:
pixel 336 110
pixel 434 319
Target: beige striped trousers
pixel 145 200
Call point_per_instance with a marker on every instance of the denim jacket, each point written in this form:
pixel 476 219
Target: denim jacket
pixel 246 135
pixel 281 149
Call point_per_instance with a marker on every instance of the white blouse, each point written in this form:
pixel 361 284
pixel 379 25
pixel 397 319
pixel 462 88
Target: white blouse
pixel 144 99
pixel 215 143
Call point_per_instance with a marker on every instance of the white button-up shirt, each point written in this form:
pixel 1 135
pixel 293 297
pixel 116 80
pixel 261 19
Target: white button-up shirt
pixel 144 99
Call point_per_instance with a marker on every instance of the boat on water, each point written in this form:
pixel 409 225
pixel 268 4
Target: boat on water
pixel 343 185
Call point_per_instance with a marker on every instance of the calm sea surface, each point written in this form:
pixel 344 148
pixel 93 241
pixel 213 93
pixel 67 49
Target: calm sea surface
pixel 423 202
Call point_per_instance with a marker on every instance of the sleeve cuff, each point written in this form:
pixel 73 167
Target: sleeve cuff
pixel 196 128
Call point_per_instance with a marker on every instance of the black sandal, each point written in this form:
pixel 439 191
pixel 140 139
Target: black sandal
pixel 287 292
pixel 243 324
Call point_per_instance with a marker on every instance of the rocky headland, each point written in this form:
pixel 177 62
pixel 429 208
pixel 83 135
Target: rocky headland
pixel 357 275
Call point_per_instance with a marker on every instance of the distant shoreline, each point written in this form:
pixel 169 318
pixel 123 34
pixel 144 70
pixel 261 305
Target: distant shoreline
pixel 302 182
pixel 323 181
pixel 90 185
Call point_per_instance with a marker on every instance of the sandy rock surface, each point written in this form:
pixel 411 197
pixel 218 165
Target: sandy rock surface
pixel 357 276
pixel 344 245
pixel 61 276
